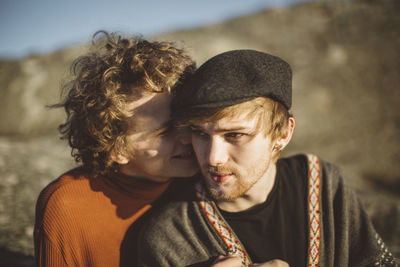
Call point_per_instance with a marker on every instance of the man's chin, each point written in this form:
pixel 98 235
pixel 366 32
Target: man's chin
pixel 221 195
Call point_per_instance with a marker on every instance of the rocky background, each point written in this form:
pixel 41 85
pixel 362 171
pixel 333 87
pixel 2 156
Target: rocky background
pixel 345 58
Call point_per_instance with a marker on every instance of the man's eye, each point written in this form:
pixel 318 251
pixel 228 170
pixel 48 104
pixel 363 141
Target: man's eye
pixel 198 133
pixel 234 136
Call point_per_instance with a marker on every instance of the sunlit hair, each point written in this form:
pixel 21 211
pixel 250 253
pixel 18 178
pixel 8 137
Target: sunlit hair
pixel 119 69
pixel 273 116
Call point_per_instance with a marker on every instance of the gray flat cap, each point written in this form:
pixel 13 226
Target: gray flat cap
pixel 234 77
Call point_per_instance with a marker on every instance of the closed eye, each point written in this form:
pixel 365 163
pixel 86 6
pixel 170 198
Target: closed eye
pixel 165 130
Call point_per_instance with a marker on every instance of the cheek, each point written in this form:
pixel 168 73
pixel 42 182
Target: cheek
pixel 252 153
pixel 150 153
pixel 163 146
pixel 147 149
pixel 199 147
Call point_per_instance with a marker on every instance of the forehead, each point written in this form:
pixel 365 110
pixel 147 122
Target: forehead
pixel 147 103
pixel 149 112
pixel 257 111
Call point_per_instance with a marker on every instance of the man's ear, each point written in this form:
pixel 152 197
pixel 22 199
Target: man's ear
pixel 119 158
pixel 284 140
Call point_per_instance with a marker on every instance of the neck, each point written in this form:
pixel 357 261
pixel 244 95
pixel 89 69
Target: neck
pixel 257 194
pixel 140 178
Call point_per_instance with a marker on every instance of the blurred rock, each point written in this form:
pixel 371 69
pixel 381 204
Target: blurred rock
pixel 345 58
pixel 26 166
pixel 28 87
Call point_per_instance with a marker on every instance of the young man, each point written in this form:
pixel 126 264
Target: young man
pixel 118 125
pixel 297 210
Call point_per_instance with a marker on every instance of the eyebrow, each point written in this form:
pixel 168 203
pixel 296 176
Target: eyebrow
pixel 222 130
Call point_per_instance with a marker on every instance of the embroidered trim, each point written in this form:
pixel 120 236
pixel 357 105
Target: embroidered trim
pixel 314 210
pixel 385 258
pixel 219 224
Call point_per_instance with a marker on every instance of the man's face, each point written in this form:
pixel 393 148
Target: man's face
pixel 155 151
pixel 233 153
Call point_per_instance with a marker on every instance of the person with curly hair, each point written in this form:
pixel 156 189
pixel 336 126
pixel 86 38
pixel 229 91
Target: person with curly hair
pixel 118 126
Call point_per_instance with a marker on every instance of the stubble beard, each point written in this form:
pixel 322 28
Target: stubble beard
pixel 241 184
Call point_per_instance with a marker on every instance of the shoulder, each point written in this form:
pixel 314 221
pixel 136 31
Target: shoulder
pixel 68 184
pixel 294 169
pixel 63 195
pixel 295 161
pixel 333 179
pixel 179 205
pixel 330 175
pixel 301 162
pixel 167 220
pixel 176 233
pixel 170 229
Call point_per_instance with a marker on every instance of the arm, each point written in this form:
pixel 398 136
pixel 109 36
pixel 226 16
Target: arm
pixel 52 240
pixel 46 253
pixel 348 236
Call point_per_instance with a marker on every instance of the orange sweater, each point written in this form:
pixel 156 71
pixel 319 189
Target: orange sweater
pixel 82 221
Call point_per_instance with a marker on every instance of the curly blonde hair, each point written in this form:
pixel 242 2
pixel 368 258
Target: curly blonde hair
pixel 103 82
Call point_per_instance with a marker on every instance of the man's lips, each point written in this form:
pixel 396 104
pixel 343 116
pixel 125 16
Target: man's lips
pixel 220 177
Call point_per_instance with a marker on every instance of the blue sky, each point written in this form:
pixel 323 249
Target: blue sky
pixel 40 26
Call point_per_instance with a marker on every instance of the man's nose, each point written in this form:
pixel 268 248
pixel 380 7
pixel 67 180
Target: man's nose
pixel 185 136
pixel 218 152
